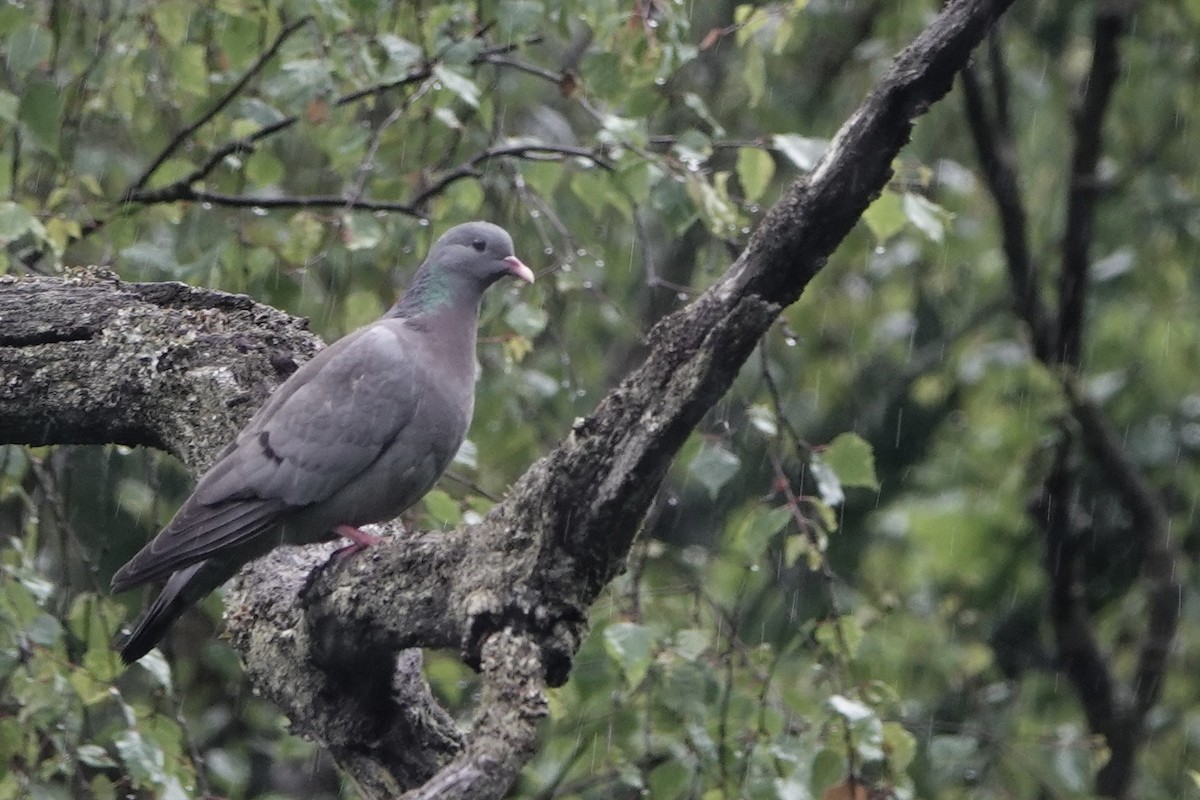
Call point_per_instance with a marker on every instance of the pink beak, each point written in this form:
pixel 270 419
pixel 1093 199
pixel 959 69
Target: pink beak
pixel 517 268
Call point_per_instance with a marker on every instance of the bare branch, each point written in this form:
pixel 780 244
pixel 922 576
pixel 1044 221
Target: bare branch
pixel 531 152
pixel 1085 187
pixel 181 192
pixel 997 157
pixel 1150 517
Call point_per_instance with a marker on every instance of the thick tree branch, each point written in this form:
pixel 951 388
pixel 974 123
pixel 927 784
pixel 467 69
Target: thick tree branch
pixel 512 594
pixel 159 364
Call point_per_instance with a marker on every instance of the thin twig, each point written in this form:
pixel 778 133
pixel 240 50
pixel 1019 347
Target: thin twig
pixel 530 152
pixel 217 107
pixel 176 193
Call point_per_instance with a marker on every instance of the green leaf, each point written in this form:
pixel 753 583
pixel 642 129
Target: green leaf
pixel 755 168
pixel 304 237
pixel 828 485
pixel 443 508
pixel 8 106
pixel 170 171
pixel 171 20
pixel 467 454
pixel 143 759
pixel 361 231
pixel 15 221
pixel 156 664
pixel 191 73
pixel 690 643
pixel 851 634
pixel 714 466
pixel 460 85
pixel 828 768
pixel 402 55
pixel 630 645
pixel 802 151
pixel 755 531
pixel 949 757
pixel 926 216
pixel 40 113
pixel 899 745
pixel 851 710
pixel 885 216
pixel 44 630
pixel 101 788
pixel 94 755
pixel 263 168
pixel 754 73
pixel 27 48
pixel 853 460
pixel 762 417
pixel 526 320
pixel 520 18
pixel 712 200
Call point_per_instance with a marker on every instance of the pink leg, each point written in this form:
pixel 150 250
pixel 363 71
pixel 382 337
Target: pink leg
pixel 359 540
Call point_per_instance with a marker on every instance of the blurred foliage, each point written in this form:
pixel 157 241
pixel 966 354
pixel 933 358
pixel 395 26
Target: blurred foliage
pixel 840 575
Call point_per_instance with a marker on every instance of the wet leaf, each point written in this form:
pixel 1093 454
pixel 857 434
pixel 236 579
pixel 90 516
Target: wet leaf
pixel 713 467
pixel 852 459
pixel 630 646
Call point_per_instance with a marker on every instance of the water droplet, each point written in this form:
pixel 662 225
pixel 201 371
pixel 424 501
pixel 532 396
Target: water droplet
pixel 566 267
pixel 587 284
pixel 581 252
pixel 879 250
pixel 599 262
pixel 207 206
pixel 424 223
pixel 548 251
pixel 660 81
pixel 681 296
pixel 535 214
pixel 258 211
pixel 790 341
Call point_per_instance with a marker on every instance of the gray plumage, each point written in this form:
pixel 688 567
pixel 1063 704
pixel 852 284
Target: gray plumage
pixel 357 435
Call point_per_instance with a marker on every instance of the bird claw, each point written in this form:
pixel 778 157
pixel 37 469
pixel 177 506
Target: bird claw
pixel 359 540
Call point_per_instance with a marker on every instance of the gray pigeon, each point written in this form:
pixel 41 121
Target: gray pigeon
pixel 357 435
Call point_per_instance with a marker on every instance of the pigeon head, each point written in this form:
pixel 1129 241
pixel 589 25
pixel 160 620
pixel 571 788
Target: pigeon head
pixel 464 262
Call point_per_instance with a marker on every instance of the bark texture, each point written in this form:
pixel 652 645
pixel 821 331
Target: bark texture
pixel 512 593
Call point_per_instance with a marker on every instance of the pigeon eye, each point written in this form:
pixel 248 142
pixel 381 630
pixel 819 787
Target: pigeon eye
pixel 479 245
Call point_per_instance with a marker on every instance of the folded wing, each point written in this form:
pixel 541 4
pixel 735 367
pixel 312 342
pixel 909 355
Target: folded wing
pixel 320 430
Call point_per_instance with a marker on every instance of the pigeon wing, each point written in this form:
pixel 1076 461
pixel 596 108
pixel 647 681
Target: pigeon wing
pixel 327 424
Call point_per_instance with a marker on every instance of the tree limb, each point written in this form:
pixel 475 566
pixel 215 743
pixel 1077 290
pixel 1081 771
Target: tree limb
pixel 1104 701
pixel 1084 189
pixel 997 158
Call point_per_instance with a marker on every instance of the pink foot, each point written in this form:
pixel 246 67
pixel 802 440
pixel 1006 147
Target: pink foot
pixel 359 540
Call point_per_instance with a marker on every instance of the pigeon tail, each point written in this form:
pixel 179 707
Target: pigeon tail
pixel 165 609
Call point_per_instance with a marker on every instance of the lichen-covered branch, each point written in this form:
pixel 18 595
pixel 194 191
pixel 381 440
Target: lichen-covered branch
pixel 91 360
